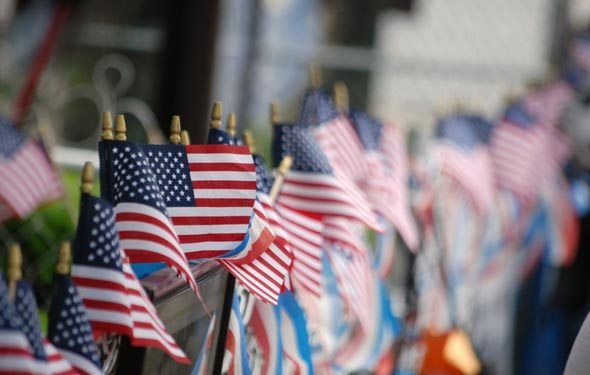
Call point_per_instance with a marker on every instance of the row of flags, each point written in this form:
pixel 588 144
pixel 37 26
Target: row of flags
pixel 295 239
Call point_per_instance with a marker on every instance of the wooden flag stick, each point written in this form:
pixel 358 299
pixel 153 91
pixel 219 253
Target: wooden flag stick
pixel 215 122
pixel 87 178
pixel 63 259
pixel 341 98
pixel 185 138
pixel 249 140
pixel 275 113
pixel 107 127
pixel 281 172
pixel 120 128
pixel 15 273
pixel 175 130
pixel 231 124
pixel 315 77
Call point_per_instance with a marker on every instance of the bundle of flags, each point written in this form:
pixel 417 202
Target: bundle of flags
pixel 295 239
pixel 176 203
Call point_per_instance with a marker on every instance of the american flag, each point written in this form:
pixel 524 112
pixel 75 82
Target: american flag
pixel 26 307
pixel 69 329
pixel 47 358
pixel 294 337
pixel 264 270
pixel 387 179
pixel 304 236
pixel 264 342
pixel 335 135
pixel 97 269
pixel 547 103
pixel 462 152
pixel 113 296
pixel 354 277
pixel 518 148
pixel 26 175
pixel 16 354
pixel 209 191
pixel 235 358
pixel 311 185
pixel 527 154
pixel 275 262
pixel 145 228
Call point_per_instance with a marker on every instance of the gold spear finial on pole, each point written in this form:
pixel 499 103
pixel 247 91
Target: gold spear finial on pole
pixel 249 140
pixel 185 138
pixel 63 259
pixel 281 172
pixel 275 113
pixel 120 128
pixel 107 127
pixel 87 178
pixel 15 273
pixel 175 130
pixel 215 122
pixel 340 96
pixel 231 124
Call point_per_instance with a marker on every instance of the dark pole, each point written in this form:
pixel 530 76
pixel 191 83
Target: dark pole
pixel 223 326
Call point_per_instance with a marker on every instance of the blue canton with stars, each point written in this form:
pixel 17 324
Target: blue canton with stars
pixel 316 108
pixel 127 174
pixel 9 318
pixel 68 324
pixel 169 165
pixel 297 141
pixel 97 243
pixel 517 114
pixel 220 137
pixel 264 176
pixel 10 138
pixel 26 306
pixel 368 128
pixel 465 130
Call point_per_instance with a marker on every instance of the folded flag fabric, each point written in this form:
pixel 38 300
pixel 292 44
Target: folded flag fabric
pixel 16 353
pixel 304 235
pixel 265 268
pixel 56 363
pixel 335 135
pixel 295 233
pixel 145 228
pixel 354 277
pixel 47 358
pixel 312 186
pixel 519 149
pixel 280 249
pixel 294 336
pixel 462 152
pixel 387 180
pixel 264 344
pixel 114 298
pixel 26 175
pixel 25 305
pixel 69 330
